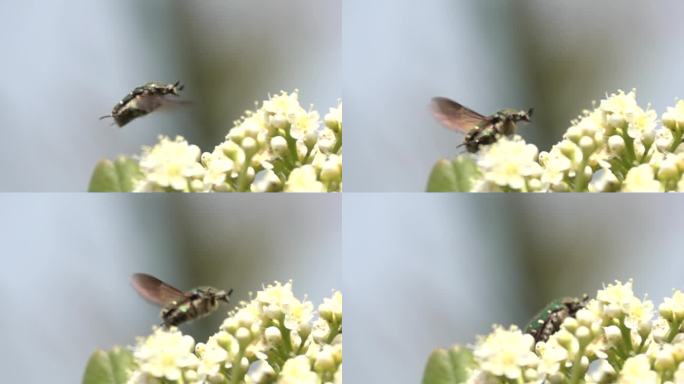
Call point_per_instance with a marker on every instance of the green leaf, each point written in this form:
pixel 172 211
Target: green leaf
pixel 452 175
pixel 117 176
pixel 109 367
pixel 448 366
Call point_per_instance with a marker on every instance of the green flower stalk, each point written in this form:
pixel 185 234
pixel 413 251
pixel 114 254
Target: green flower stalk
pixel 279 147
pixel 618 146
pixel 273 338
pixel 615 338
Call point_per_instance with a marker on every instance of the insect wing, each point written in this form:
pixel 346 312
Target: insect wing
pixel 455 116
pixel 155 290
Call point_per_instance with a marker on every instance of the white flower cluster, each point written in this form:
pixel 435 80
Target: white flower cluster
pixel 618 146
pixel 274 338
pixel 279 147
pixel 616 338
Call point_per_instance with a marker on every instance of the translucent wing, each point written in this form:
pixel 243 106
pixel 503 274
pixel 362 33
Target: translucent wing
pixel 455 116
pixel 156 290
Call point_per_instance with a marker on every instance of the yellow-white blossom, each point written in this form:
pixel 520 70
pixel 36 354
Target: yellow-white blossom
pixel 616 146
pixel 616 333
pixel 304 179
pixel 637 370
pixel 506 353
pixel 264 340
pixel 673 119
pixel 298 371
pixel 165 354
pixel 170 164
pixel 641 179
pixel 280 146
pixel 509 163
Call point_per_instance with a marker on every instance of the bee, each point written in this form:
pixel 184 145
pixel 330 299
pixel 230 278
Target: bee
pixel 143 100
pixel 479 130
pixel 548 321
pixel 179 307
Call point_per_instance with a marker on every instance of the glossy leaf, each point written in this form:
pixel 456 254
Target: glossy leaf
pixel 114 176
pixel 109 367
pixel 448 366
pixel 452 175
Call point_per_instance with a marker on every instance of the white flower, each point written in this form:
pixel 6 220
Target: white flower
pixel 212 357
pixel 619 107
pixel 286 104
pixel 604 180
pixel 165 354
pixel 266 181
pixel 331 309
pixel 333 119
pixel 506 353
pixel 509 163
pixel 641 179
pixel 556 165
pixel 170 164
pixel 298 313
pixel 305 123
pixel 618 294
pixel 298 371
pixel 672 308
pixel 673 119
pixel 304 179
pixel 552 356
pixel 637 370
pixel 218 166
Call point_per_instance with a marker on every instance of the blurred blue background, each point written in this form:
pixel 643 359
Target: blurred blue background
pixel 66 63
pixel 490 54
pixel 428 271
pixel 68 258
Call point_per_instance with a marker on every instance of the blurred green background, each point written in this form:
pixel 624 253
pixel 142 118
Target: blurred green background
pixel 428 271
pixel 67 63
pixel 555 56
pixel 68 259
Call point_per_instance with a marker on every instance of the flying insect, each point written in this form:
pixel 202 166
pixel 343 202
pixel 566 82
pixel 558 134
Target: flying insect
pixel 143 100
pixel 479 130
pixel 179 307
pixel 548 321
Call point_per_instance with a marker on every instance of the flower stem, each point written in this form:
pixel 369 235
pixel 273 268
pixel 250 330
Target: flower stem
pixel 674 329
pixel 676 140
pixel 577 370
pixel 580 181
pixel 236 371
pixel 242 177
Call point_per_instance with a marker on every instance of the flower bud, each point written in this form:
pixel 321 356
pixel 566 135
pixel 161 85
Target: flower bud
pixel 616 144
pixel 583 335
pixel 273 335
pixel 310 138
pixel 324 361
pixel 613 334
pixel 664 361
pixel 280 122
pixel 570 324
pixel 573 134
pixel 250 146
pixel 243 337
pixel 668 169
pixel 331 171
pixel 279 146
pixel 665 310
pixel 644 329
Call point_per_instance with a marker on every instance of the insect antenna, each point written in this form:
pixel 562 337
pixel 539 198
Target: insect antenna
pixel 104 117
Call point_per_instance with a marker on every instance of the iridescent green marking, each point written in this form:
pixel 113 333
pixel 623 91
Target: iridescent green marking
pixel 549 319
